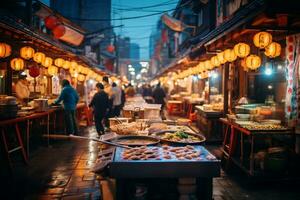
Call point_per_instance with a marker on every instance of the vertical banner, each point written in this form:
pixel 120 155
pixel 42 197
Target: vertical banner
pixel 292 57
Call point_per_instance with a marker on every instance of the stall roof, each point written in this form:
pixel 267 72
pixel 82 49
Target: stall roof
pixel 12 24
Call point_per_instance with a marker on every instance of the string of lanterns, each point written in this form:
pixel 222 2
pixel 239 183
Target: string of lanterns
pixel 262 40
pixel 26 53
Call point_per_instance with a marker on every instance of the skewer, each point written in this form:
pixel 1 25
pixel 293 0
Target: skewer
pixel 87 138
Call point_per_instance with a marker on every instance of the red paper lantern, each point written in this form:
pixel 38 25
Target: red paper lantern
pixel 58 31
pixel 51 22
pixel 110 48
pixel 34 71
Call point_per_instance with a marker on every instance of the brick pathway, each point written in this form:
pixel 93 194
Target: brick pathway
pixel 62 172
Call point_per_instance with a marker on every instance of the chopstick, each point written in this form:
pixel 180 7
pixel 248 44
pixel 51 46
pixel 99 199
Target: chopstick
pixel 86 138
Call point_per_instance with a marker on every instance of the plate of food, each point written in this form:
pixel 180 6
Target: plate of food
pixel 180 137
pixel 135 140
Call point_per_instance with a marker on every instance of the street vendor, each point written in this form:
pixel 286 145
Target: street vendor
pixel 70 98
pixel 22 88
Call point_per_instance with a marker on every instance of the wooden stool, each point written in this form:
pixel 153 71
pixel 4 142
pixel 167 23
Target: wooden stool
pixel 19 147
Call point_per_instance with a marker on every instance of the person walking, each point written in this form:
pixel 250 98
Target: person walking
pixel 100 105
pixel 159 98
pixel 70 98
pixel 117 100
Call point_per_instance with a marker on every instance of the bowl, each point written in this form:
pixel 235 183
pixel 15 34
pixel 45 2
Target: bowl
pixel 243 116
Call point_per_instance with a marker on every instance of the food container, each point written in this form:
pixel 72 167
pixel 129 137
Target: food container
pixel 117 120
pixel 183 122
pixel 41 105
pixel 243 116
pixel 265 110
pixel 207 107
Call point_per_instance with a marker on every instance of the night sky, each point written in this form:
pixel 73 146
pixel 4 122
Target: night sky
pixel 140 29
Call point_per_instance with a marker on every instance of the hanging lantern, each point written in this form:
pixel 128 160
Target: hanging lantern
pixel 39 57
pixel 5 50
pixel 58 31
pixel 27 52
pixel 262 39
pixel 273 50
pixel 221 57
pixel 215 62
pixel 51 22
pixel 81 77
pixel 73 69
pixel 34 71
pixel 242 50
pixel 59 62
pixel 17 64
pixel 79 68
pixel 73 64
pixel 229 55
pixel 47 62
pixel 84 70
pixel 208 65
pixel 253 62
pixel 66 64
pixel 52 70
pixel 110 48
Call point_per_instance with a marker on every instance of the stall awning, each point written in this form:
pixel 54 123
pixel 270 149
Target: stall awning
pixel 12 24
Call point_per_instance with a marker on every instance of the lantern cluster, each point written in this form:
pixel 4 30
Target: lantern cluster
pixel 263 40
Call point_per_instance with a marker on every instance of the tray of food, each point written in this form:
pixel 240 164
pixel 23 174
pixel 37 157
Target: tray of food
pixel 179 137
pixel 128 128
pixel 165 152
pixel 152 161
pixel 264 127
pixel 135 140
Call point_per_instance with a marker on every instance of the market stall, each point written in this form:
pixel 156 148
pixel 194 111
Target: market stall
pixel 156 151
pixel 32 66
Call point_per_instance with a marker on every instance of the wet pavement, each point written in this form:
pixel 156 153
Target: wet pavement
pixel 62 171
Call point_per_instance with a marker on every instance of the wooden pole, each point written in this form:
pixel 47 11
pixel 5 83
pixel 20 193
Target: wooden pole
pixel 225 87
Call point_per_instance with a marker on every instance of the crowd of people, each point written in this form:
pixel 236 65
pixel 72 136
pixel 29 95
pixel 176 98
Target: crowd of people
pixel 107 102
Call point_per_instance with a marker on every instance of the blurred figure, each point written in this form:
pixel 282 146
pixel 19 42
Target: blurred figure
pixel 22 89
pixel 117 100
pixel 159 97
pixel 123 98
pixel 130 91
pixel 70 99
pixel 108 91
pixel 100 105
pixel 147 93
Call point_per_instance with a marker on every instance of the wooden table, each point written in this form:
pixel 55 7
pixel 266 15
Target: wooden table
pixel 231 132
pixel 209 124
pixel 28 120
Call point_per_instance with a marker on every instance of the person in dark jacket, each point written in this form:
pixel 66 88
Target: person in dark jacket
pixel 159 97
pixel 100 104
pixel 70 98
